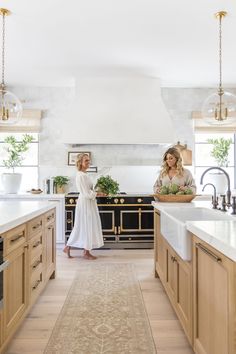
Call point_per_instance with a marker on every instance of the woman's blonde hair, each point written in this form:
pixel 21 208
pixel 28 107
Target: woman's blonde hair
pixel 179 163
pixel 79 161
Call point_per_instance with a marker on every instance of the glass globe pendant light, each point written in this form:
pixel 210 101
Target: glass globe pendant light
pixel 10 105
pixel 220 107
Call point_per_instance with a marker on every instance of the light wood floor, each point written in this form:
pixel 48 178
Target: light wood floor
pixel 35 331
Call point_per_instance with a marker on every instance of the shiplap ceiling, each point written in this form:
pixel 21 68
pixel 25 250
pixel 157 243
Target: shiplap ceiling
pixel 50 42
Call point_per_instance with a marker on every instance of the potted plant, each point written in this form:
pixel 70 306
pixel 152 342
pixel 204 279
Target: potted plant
pixel 15 155
pixel 107 185
pixel 220 152
pixel 60 182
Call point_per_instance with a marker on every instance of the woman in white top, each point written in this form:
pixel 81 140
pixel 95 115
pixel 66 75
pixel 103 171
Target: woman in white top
pixel 173 172
pixel 87 231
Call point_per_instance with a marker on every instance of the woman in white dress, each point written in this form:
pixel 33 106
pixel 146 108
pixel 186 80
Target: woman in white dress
pixel 87 231
pixel 173 172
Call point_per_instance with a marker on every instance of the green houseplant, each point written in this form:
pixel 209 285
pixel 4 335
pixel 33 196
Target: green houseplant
pixel 220 152
pixel 60 182
pixel 107 185
pixel 15 155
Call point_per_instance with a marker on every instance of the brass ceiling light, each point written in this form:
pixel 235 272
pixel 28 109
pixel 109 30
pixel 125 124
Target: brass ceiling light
pixel 220 107
pixel 10 105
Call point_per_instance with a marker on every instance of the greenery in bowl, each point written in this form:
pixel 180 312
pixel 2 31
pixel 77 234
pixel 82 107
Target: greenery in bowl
pixel 107 185
pixel 220 150
pixel 61 180
pixel 15 150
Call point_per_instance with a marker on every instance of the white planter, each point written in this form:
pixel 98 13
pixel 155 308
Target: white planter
pixel 220 182
pixel 11 182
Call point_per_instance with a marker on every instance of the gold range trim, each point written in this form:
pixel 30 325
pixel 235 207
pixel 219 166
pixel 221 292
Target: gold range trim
pixel 150 205
pixel 140 212
pixel 113 229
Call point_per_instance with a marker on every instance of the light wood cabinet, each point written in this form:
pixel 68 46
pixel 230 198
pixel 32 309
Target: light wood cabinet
pixel 159 249
pixel 15 289
pixel 214 289
pixel 30 250
pixel 176 277
pixel 50 244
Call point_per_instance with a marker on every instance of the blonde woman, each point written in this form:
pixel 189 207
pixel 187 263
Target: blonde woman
pixel 87 231
pixel 173 172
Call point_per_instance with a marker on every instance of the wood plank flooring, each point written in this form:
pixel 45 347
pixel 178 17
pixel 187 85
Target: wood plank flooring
pixel 34 333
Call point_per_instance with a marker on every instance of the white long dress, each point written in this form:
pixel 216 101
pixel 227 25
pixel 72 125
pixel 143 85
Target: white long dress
pixel 87 231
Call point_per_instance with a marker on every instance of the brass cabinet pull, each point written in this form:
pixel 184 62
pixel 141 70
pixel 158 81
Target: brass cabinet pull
pixel 71 201
pixel 37 225
pixel 139 200
pixel 116 200
pixel 122 200
pixel 119 230
pixel 69 221
pixel 209 253
pixel 36 244
pixel 36 284
pixel 36 264
pixel 16 238
pixel 173 259
pixel 115 230
pixel 50 217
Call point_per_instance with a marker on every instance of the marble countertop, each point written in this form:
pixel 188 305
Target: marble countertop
pixel 32 196
pixel 14 213
pixel 220 234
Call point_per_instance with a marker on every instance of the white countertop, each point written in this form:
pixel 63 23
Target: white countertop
pixel 14 213
pixel 219 234
pixel 32 196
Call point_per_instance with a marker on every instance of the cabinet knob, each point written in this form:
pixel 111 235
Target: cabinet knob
pixel 116 200
pixel 122 200
pixel 71 201
pixel 139 200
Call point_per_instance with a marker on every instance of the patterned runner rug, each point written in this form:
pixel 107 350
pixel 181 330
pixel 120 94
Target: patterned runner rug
pixel 104 313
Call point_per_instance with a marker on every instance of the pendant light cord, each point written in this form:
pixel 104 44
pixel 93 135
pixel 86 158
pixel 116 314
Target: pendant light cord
pixel 3 50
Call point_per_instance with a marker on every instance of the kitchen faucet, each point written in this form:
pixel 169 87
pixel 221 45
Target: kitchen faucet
pixel 228 182
pixel 214 198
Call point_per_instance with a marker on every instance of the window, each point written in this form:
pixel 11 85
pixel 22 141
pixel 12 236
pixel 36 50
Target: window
pixel 203 158
pixel 30 164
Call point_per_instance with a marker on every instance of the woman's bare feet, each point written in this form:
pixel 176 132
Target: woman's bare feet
pixel 67 251
pixel 88 255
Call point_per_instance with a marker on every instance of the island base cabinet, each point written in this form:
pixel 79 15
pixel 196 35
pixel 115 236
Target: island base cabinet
pixel 178 287
pixel 15 289
pixel 214 287
pixel 50 246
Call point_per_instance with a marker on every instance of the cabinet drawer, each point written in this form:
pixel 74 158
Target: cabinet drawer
pixel 36 265
pixel 50 216
pixel 14 238
pixel 36 284
pixel 35 226
pixel 36 246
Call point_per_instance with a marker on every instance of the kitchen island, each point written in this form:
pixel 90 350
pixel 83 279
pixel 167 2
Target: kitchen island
pixel 202 290
pixel 28 234
pixel 59 199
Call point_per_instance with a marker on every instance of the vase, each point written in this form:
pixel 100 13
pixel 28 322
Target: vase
pixel 220 182
pixel 60 189
pixel 11 182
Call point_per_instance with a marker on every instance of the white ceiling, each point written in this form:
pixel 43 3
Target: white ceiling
pixel 50 42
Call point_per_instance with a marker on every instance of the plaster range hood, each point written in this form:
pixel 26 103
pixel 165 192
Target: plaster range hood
pixel 118 111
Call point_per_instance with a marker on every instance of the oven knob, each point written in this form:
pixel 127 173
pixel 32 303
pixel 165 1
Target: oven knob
pixel 116 200
pixel 71 201
pixel 122 200
pixel 140 200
